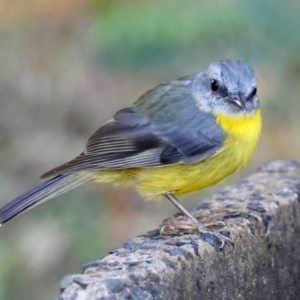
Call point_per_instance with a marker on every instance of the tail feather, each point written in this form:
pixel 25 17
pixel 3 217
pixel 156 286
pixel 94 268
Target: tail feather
pixel 44 192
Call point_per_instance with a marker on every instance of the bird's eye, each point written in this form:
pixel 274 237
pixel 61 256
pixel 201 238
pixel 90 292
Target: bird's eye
pixel 253 93
pixel 214 85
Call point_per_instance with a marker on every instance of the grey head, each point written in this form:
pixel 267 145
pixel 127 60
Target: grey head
pixel 228 87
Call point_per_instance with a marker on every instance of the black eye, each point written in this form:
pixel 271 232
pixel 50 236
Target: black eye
pixel 214 85
pixel 253 93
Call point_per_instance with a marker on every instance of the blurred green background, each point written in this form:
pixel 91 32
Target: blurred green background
pixel 67 66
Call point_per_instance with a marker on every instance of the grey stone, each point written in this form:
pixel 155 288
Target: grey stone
pixel 261 216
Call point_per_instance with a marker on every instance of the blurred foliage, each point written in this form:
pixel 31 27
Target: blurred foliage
pixel 153 33
pixel 67 66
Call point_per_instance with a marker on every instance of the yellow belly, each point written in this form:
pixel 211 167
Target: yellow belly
pixel 242 136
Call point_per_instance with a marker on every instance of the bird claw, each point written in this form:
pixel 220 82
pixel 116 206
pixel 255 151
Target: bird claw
pixel 223 239
pixel 176 226
pixel 180 226
pixel 215 224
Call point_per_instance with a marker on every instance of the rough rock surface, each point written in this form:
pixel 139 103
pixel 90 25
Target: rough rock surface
pixel 261 215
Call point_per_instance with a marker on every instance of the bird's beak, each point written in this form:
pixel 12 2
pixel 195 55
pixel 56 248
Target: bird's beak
pixel 237 102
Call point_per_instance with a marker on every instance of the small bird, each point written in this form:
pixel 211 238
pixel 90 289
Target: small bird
pixel 176 139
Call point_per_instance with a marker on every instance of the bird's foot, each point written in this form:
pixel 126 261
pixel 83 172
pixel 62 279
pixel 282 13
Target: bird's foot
pixel 180 226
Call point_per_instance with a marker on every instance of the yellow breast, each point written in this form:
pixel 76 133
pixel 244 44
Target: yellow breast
pixel 241 133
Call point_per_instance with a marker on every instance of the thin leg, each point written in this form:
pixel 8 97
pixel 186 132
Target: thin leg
pixel 200 227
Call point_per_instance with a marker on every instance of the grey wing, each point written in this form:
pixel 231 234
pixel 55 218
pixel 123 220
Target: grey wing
pixel 130 141
pixel 122 142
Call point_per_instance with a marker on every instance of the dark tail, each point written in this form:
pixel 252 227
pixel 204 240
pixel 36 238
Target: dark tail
pixel 44 192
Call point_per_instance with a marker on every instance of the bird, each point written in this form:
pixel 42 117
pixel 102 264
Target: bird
pixel 178 138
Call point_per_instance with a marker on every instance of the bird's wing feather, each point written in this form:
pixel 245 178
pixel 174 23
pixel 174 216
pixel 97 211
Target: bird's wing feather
pixel 134 138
